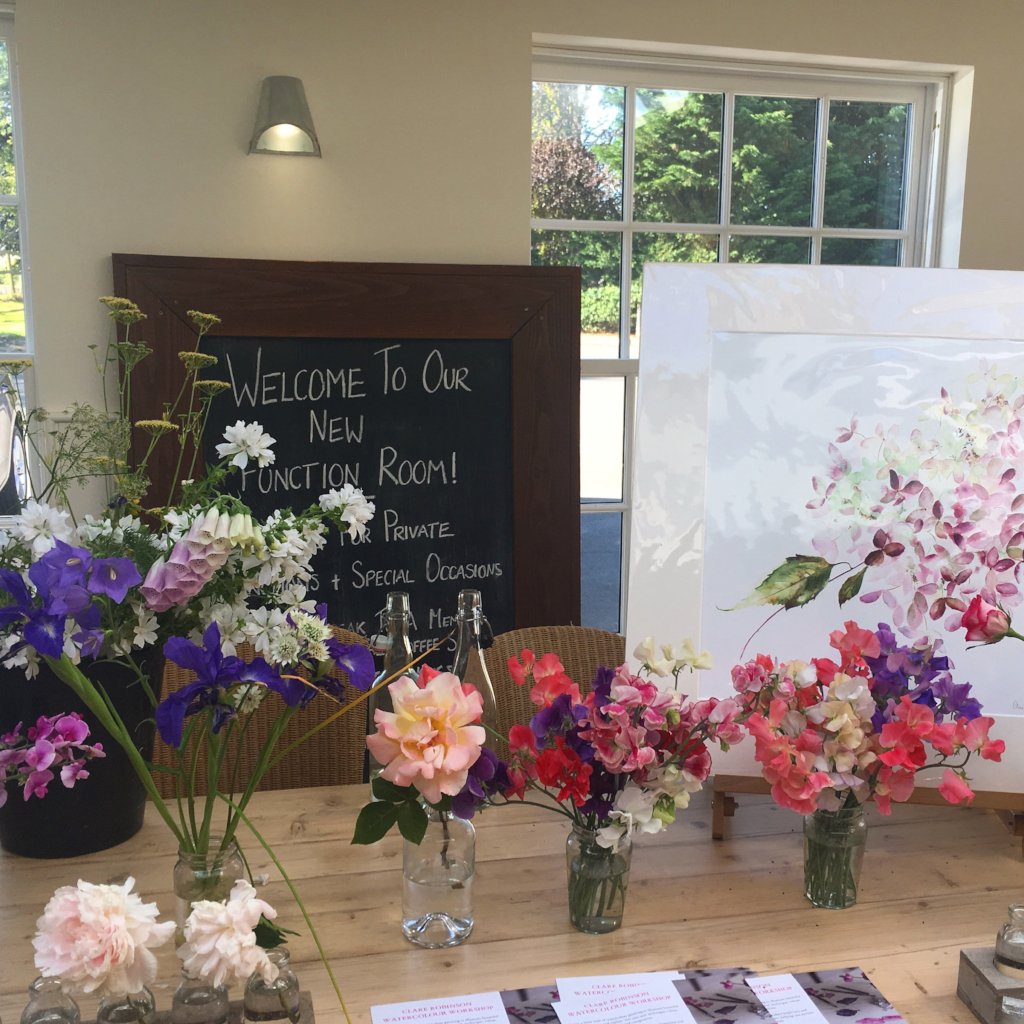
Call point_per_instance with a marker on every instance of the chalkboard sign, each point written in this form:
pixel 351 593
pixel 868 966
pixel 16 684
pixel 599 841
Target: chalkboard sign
pixel 450 394
pixel 422 428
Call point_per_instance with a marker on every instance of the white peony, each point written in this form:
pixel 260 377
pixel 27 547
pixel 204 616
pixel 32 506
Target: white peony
pixel 220 942
pixel 99 939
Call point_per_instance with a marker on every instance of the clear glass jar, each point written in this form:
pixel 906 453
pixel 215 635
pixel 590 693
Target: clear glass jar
pixel 473 633
pixel 137 1008
pixel 437 886
pixel 833 854
pixel 198 1002
pixel 1009 954
pixel 48 1003
pixel 597 877
pixel 275 1000
pixel 204 876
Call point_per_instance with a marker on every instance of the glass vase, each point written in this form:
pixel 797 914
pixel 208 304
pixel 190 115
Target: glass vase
pixel 198 1002
pixel 833 854
pixel 598 877
pixel 136 1008
pixel 276 1000
pixel 1009 954
pixel 437 886
pixel 204 876
pixel 48 1003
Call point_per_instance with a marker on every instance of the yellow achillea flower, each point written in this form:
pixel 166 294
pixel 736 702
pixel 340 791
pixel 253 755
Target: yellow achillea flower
pixel 197 360
pixel 124 311
pixel 156 427
pixel 204 321
pixel 212 387
pixel 15 364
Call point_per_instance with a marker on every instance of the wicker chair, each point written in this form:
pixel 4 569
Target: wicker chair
pixel 334 756
pixel 581 649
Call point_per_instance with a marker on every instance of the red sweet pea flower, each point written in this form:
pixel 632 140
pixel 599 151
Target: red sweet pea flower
pixel 854 645
pixel 973 734
pixel 954 788
pixel 521 739
pixel 560 766
pixel 520 671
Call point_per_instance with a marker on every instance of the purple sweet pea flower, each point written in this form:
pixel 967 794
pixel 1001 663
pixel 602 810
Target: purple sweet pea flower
pixel 488 775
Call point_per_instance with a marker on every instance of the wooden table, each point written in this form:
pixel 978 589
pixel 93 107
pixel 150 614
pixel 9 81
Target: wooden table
pixel 936 879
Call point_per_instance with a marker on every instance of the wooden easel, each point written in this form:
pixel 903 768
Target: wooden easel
pixel 1010 806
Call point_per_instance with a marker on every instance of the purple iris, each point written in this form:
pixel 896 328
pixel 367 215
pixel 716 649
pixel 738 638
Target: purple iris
pixel 42 630
pixel 487 777
pixel 215 673
pixel 354 660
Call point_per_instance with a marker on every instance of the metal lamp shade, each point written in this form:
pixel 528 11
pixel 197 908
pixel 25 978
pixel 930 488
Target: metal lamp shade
pixel 283 121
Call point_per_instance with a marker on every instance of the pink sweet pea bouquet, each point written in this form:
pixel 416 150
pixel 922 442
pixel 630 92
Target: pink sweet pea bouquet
pixel 832 735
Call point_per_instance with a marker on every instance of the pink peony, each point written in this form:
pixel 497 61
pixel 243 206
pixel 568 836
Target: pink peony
pixel 429 740
pixel 99 938
pixel 220 938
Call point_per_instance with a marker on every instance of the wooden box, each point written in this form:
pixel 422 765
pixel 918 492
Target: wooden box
pixel 982 988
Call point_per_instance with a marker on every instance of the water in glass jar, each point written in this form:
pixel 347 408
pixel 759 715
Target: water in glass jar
pixel 437 905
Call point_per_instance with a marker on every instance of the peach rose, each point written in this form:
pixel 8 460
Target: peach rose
pixel 429 740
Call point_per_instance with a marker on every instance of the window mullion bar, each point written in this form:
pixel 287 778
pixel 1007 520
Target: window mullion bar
pixel 820 163
pixel 628 425
pixel 728 124
pixel 626 250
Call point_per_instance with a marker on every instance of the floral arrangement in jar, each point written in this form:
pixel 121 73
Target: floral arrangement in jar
pixel 832 735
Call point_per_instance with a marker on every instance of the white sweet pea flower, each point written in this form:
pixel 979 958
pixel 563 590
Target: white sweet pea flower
pixel 245 441
pixel 647 653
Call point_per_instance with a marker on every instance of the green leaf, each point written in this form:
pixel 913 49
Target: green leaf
pixel 851 586
pixel 799 579
pixel 412 822
pixel 392 794
pixel 374 822
pixel 270 934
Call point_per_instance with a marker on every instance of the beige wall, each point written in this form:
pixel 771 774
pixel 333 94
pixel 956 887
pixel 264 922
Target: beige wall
pixel 137 115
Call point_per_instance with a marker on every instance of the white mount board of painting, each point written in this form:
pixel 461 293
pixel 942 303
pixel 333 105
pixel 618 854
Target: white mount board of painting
pixel 750 377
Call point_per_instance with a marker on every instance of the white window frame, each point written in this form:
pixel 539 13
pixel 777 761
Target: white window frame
pixel 941 96
pixel 8 35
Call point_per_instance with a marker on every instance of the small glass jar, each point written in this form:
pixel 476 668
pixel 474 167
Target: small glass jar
pixel 1009 954
pixel 833 855
pixel 437 882
pixel 276 1000
pixel 137 1008
pixel 48 1003
pixel 204 876
pixel 597 877
pixel 198 1002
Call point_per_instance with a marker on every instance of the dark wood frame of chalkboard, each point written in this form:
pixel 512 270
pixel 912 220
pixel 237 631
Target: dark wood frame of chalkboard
pixel 535 309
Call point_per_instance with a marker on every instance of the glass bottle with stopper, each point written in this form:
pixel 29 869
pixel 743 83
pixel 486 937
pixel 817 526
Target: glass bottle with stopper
pixel 397 654
pixel 473 634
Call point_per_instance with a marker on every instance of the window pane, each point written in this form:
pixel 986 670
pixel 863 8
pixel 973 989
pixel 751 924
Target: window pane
pixel 861 252
pixel 577 151
pixel 602 411
pixel 8 183
pixel 600 559
pixel 773 160
pixel 599 255
pixel 678 156
pixel 663 247
pixel 864 174
pixel 764 249
pixel 12 302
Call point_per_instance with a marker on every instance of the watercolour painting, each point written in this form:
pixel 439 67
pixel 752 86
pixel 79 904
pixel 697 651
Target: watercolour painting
pixel 855 429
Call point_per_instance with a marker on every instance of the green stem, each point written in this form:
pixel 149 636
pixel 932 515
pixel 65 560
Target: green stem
pixel 89 694
pixel 239 812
